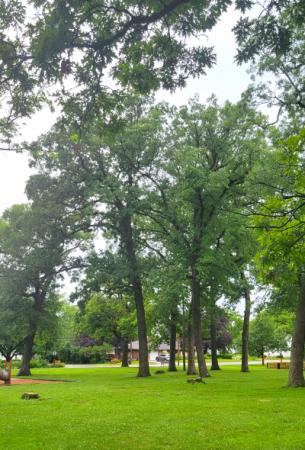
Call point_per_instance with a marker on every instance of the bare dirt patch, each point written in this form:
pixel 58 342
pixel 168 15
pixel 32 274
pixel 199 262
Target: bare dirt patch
pixel 31 381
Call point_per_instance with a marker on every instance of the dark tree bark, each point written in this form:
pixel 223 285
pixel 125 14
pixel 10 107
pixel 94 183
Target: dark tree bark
pixel 39 297
pixel 172 344
pixel 135 281
pixel 125 362
pixel 191 368
pixel 183 337
pixel 25 370
pixel 245 332
pixel 183 352
pixel 213 333
pixel 296 376
pixel 196 315
pixel 263 356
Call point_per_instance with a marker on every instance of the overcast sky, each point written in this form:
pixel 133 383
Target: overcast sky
pixel 226 80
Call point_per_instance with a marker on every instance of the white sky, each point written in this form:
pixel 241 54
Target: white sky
pixel 226 80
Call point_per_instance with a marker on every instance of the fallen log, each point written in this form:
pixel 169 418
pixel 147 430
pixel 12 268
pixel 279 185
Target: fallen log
pixel 5 376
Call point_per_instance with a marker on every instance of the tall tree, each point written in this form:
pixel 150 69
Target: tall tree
pixel 209 156
pixel 107 164
pixel 282 238
pixel 36 241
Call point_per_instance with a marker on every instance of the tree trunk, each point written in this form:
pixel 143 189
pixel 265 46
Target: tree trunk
pixel 191 368
pixel 172 345
pixel 215 365
pixel 245 332
pixel 296 376
pixel 135 280
pixel 263 357
pixel 27 356
pixel 125 362
pixel 183 352
pixel 196 315
pixel 183 337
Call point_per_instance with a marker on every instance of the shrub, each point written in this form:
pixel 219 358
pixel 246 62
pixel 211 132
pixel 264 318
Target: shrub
pixel 37 363
pixel 225 356
pixel 84 355
pixel 56 364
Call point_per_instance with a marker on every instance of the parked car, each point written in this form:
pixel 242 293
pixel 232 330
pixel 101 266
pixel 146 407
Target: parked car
pixel 162 358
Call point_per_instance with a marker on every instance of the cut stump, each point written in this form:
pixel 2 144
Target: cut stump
pixel 30 396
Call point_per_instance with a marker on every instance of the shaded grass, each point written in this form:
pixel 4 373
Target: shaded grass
pixel 112 409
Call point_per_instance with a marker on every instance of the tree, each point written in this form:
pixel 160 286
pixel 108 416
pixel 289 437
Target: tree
pixel 265 336
pixel 107 165
pixel 211 152
pixel 142 46
pixel 109 320
pixel 281 236
pixel 35 243
pixel 273 41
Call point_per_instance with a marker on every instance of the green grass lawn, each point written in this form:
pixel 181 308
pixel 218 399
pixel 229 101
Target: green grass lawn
pixel 112 409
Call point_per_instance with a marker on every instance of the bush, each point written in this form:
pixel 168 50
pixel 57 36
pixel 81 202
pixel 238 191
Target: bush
pixel 225 356
pixel 37 363
pixel 84 355
pixel 56 364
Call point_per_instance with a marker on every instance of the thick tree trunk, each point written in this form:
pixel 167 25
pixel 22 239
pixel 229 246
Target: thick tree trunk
pixel 172 345
pixel 134 276
pixel 213 333
pixel 125 362
pixel 196 315
pixel 245 332
pixel 191 368
pixel 296 376
pixel 39 298
pixel 27 356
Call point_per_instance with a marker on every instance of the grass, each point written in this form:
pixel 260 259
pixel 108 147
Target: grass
pixel 112 409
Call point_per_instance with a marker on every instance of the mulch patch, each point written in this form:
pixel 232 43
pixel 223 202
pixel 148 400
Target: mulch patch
pixel 31 381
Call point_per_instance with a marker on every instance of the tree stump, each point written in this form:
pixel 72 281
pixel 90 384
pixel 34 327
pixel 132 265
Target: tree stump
pixel 30 396
pixel 196 380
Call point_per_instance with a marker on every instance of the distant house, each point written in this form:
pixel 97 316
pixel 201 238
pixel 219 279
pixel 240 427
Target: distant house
pixel 163 348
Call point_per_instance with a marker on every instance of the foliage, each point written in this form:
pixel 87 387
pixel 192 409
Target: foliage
pixel 85 355
pixel 267 335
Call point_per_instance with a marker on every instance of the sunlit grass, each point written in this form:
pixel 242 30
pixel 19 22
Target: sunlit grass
pixel 113 409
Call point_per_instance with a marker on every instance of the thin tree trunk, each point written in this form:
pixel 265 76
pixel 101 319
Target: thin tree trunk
pixel 245 332
pixel 25 370
pixel 296 376
pixel 125 362
pixel 183 337
pixel 183 352
pixel 263 356
pixel 172 345
pixel 213 333
pixel 142 333
pixel 196 315
pixel 135 280
pixel 191 368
